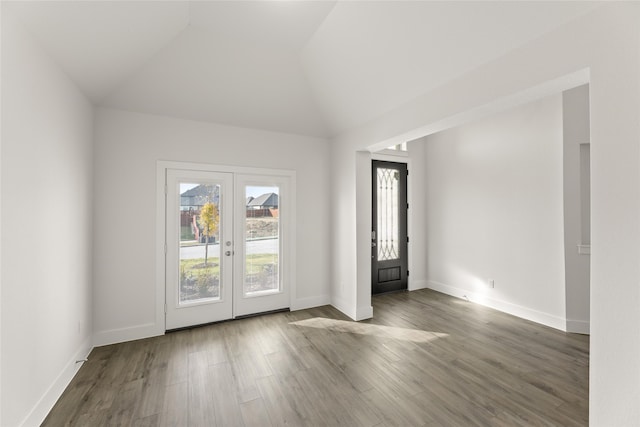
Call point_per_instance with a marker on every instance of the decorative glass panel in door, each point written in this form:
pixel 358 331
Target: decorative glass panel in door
pixel 388 184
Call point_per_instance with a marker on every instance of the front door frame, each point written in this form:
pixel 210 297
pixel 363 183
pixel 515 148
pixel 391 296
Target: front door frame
pixel 402 283
pixel 160 243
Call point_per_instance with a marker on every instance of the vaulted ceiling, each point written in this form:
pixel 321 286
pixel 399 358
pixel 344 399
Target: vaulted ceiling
pixel 315 68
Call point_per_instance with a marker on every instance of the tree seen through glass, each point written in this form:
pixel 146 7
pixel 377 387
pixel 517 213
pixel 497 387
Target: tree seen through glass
pixel 199 242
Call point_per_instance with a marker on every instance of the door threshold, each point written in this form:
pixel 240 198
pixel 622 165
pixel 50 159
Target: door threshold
pixel 200 325
pixel 262 313
pixel 393 291
pixel 246 316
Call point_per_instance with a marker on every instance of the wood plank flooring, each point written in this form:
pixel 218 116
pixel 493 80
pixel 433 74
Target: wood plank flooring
pixel 426 359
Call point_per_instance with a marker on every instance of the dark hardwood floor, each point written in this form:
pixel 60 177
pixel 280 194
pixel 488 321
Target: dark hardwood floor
pixel 426 359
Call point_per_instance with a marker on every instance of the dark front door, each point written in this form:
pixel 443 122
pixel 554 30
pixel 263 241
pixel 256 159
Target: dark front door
pixel 389 227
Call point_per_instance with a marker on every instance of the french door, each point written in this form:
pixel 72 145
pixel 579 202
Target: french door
pixel 225 245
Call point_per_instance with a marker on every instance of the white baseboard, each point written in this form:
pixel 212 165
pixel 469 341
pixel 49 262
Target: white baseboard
pixel 40 411
pixel 147 330
pixel 360 313
pixel 343 307
pixel 506 307
pixel 363 313
pixel 310 302
pixel 114 336
pixel 578 327
pixel 414 285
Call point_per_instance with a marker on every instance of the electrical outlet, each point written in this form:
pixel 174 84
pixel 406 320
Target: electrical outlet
pixel 492 283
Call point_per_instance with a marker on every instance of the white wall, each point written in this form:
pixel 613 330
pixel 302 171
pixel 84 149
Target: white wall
pixel 46 229
pixel 345 256
pixel 494 201
pixel 418 237
pixel 605 43
pixel 128 146
pixel 575 112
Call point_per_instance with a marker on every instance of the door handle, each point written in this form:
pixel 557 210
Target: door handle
pixel 373 244
pixel 228 253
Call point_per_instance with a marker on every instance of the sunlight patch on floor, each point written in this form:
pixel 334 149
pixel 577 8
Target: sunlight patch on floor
pixel 405 334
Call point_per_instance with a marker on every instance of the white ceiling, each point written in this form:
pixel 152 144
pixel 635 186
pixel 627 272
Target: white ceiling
pixel 276 24
pixel 99 43
pixel 224 80
pixel 313 68
pixel 369 58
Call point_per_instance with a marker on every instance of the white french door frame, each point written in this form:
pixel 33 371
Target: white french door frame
pixel 288 233
pixel 179 313
pixel 249 304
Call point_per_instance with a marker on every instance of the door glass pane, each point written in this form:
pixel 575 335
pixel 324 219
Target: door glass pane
pixel 387 238
pixel 262 240
pixel 199 242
